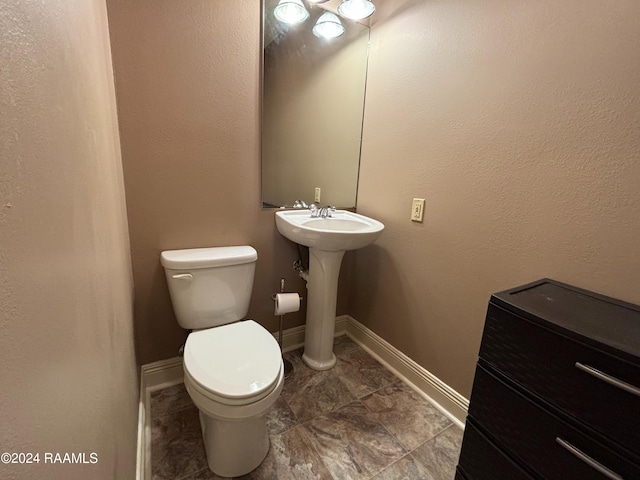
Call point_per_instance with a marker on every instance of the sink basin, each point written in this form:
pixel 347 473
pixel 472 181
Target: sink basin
pixel 343 231
pixel 327 239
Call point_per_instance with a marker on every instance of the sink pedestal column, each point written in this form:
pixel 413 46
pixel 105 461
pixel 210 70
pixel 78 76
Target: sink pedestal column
pixel 324 269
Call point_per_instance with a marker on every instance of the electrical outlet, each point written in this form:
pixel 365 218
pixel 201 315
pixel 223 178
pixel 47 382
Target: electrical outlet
pixel 417 209
pixel 316 195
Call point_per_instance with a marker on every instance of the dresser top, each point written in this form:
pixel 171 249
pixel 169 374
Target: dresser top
pixel 572 310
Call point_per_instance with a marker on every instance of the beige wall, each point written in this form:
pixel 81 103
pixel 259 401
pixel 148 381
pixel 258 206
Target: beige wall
pixel 187 84
pixel 68 371
pixel 519 124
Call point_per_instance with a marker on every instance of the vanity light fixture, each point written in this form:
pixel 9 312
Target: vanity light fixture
pixel 317 1
pixel 291 12
pixel 328 26
pixel 356 9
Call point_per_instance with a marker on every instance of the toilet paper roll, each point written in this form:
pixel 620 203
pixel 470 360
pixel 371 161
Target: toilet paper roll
pixel 287 303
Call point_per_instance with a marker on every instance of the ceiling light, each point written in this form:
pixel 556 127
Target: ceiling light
pixel 328 26
pixel 291 12
pixel 356 9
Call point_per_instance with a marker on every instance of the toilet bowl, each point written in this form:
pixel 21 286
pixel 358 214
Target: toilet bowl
pixel 233 369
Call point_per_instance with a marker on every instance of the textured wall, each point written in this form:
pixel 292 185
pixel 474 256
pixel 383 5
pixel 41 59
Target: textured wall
pixel 519 123
pixel 187 86
pixel 68 371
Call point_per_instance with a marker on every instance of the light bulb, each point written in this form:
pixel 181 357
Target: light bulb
pixel 328 26
pixel 291 12
pixel 356 9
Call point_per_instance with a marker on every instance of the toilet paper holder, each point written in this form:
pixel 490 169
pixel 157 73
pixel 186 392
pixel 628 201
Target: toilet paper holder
pixel 288 366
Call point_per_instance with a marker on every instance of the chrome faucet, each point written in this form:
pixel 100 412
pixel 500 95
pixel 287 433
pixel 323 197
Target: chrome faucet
pixel 321 212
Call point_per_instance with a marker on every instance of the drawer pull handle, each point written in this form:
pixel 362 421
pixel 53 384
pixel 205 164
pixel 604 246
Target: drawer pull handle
pixel 588 460
pixel 609 379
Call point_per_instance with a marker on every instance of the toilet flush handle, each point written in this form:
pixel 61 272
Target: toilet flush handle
pixel 183 276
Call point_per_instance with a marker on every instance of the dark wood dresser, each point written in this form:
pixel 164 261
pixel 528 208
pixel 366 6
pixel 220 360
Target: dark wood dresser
pixel 556 395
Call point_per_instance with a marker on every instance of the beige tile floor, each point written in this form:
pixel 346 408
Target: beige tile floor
pixel 356 421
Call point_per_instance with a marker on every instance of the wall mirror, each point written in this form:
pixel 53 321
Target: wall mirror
pixel 312 108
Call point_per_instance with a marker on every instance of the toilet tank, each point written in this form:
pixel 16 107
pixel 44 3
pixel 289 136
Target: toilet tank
pixel 210 286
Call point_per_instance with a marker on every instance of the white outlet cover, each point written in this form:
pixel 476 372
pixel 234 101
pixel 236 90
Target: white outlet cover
pixel 417 209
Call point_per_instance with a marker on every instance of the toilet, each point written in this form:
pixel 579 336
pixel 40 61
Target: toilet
pixel 233 369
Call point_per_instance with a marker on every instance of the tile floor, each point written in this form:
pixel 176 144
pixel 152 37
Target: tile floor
pixel 356 421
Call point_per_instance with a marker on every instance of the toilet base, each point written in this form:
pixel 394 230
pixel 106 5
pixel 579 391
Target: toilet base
pixel 234 448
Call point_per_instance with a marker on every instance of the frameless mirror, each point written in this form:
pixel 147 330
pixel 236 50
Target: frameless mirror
pixel 312 108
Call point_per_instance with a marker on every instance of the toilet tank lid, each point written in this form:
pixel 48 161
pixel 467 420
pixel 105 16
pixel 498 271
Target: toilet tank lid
pixel 207 257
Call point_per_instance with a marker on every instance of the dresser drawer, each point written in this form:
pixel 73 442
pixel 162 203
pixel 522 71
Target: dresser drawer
pixel 556 368
pixel 548 445
pixel 480 459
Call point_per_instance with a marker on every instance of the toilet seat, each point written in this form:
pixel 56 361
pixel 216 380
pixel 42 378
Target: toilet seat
pixel 234 364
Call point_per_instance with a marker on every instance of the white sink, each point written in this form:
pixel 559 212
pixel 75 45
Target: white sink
pixel 327 239
pixel 343 231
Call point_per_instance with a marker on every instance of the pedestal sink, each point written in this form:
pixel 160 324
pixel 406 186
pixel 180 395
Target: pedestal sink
pixel 327 239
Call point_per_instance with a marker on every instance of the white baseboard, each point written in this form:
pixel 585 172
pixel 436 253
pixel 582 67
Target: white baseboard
pixel 153 376
pixel 162 374
pixel 442 396
pixel 142 456
pixel 342 323
pixel 293 338
pixel 165 373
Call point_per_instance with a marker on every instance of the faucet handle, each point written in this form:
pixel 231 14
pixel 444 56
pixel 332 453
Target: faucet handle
pixel 331 210
pixel 314 210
